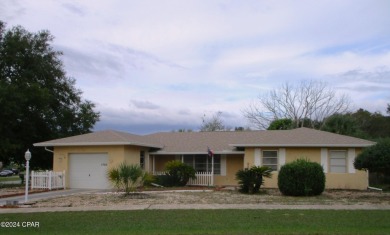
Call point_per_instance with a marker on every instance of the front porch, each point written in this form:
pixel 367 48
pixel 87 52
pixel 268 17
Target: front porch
pixel 202 178
pixel 210 171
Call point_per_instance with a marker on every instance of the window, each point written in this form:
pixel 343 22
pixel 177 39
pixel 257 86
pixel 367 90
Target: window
pixel 142 159
pixel 338 161
pixel 202 163
pixel 270 159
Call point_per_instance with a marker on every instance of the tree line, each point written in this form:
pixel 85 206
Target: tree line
pixel 360 124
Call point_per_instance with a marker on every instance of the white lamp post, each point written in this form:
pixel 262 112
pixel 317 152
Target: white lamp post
pixel 27 156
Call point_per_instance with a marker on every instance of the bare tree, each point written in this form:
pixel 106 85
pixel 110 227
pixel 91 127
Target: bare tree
pixel 311 101
pixel 214 123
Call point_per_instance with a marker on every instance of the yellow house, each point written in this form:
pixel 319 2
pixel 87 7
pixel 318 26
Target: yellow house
pixel 86 158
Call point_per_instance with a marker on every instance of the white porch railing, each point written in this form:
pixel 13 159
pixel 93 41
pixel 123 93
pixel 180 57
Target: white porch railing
pixel 202 178
pixel 47 180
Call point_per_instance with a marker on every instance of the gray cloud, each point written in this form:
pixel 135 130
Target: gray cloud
pixel 144 104
pixel 143 59
pixel 143 128
pixel 75 9
pixel 140 122
pixel 376 81
pixel 184 112
pixel 10 10
pixel 86 63
pixel 378 75
pixel 110 61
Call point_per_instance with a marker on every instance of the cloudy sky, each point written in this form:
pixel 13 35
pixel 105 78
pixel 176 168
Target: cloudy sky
pixel 161 65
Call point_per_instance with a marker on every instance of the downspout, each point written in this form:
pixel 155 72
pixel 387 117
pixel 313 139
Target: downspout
pixel 373 188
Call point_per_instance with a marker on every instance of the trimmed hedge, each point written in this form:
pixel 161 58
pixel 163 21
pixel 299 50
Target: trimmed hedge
pixel 177 174
pixel 301 178
pixel 165 180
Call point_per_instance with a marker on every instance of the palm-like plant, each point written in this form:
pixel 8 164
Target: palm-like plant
pixel 127 177
pixel 250 180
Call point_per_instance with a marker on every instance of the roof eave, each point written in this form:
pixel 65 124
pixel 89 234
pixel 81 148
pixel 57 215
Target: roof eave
pixel 195 153
pixel 95 144
pixel 303 145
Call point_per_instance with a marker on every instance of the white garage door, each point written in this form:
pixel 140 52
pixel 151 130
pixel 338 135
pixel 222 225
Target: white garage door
pixel 88 171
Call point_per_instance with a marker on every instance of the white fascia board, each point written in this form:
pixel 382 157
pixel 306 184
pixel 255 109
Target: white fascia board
pixel 94 144
pixel 195 153
pixel 301 145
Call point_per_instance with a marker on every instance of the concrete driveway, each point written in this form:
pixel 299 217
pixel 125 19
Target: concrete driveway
pixel 46 195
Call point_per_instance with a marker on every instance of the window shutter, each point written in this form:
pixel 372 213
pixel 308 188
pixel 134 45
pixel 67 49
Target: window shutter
pixel 223 165
pixel 324 159
pixel 257 157
pixel 351 159
pixel 282 157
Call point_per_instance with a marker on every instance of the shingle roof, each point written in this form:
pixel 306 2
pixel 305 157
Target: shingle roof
pixel 304 137
pixel 219 142
pixel 227 141
pixel 108 137
pixel 196 142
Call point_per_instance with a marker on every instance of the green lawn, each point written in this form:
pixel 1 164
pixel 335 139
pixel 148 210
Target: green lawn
pixel 10 178
pixel 203 222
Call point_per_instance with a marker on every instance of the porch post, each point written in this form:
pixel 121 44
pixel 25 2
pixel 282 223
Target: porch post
pixel 154 162
pixel 63 178
pixel 212 170
pixel 49 182
pixel 147 161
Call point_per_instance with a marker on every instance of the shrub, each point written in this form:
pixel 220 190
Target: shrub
pixel 148 179
pixel 301 178
pixel 375 158
pixel 177 174
pixel 126 177
pixel 250 180
pixel 164 180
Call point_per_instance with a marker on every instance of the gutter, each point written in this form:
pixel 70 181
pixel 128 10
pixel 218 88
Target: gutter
pixel 49 150
pixel 303 145
pixel 51 144
pixel 196 153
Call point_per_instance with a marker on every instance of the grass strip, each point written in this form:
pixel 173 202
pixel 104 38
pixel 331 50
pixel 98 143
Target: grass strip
pixel 10 178
pixel 203 222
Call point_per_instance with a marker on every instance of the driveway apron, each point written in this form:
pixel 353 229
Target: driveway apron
pixel 47 195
